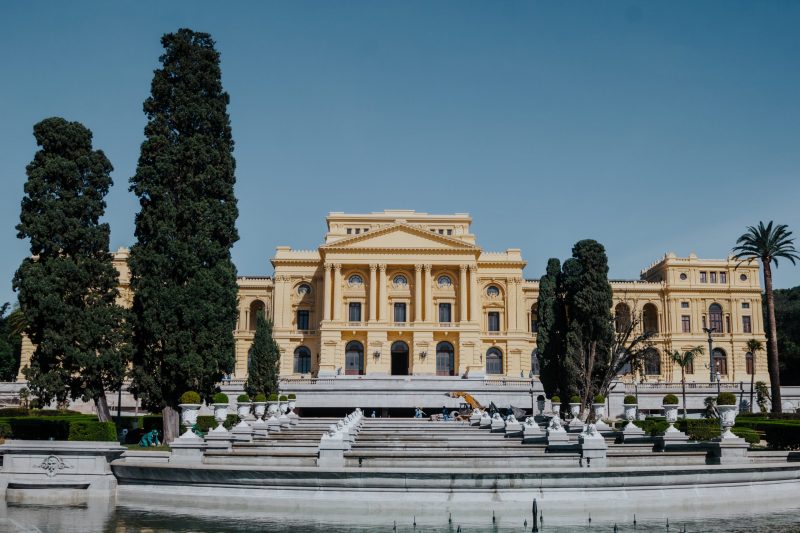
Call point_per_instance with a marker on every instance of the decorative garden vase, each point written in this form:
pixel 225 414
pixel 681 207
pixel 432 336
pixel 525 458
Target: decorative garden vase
pixel 243 410
pixel 630 412
pixel 727 418
pixel 574 409
pixel 272 408
pixel 599 411
pixel 259 408
pixel 291 405
pixel 220 415
pixel 284 406
pixel 671 414
pixel 540 406
pixel 189 413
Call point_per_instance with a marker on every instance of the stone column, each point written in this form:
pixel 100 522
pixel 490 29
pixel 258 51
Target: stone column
pixel 384 300
pixel 417 293
pixel 280 297
pixel 474 312
pixel 326 292
pixel 373 301
pixel 462 298
pixel 511 304
pixel 337 292
pixel 428 295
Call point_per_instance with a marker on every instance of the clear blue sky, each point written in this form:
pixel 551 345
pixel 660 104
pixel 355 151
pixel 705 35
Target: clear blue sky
pixel 651 127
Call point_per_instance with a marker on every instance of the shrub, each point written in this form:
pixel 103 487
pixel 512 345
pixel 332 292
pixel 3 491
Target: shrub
pixel 670 399
pixel 260 397
pixel 599 399
pixel 726 398
pixel 652 426
pixel 190 397
pixel 243 398
pixel 292 397
pixel 283 398
pixel 14 411
pixel 699 429
pixel 219 398
pixel 556 400
pixel 206 422
pixel 39 428
pixel 574 399
pixel 96 431
pixel 273 397
pixel 630 399
pixel 783 436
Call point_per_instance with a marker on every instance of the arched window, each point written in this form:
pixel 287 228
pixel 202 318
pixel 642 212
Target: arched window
pixel 535 362
pixel 354 358
pixel 748 361
pixel 535 318
pixel 494 361
pixel 650 318
pixel 445 359
pixel 720 362
pixel 400 281
pixel 303 289
pixel 444 281
pixel 256 307
pixel 652 362
pixel 355 280
pixel 715 317
pixel 302 360
pixel 492 291
pixel 622 317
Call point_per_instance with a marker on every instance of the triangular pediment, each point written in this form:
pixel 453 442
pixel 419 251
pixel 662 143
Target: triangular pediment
pixel 400 236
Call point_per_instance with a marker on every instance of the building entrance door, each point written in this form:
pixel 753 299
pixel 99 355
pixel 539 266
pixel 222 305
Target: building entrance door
pixel 399 358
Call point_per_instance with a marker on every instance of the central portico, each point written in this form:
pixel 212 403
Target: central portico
pixel 397 292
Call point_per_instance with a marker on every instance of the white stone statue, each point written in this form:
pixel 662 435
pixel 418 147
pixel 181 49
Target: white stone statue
pixel 511 419
pixel 497 416
pixel 555 424
pixel 530 421
pixel 590 432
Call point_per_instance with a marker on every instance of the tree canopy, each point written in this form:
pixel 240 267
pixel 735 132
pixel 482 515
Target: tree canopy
pixel 68 287
pixel 262 371
pixel 184 282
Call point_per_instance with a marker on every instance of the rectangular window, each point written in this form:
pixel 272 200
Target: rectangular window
pixel 349 231
pixel 686 324
pixel 684 305
pixel 444 313
pixel 748 361
pixel 358 231
pixel 449 232
pixel 399 312
pixel 366 230
pixel 745 305
pixel 355 312
pixel 723 277
pixel 302 320
pixel 747 327
pixel 494 321
pixel 713 277
pixel 728 323
pixel 703 278
pixel 689 367
pixel 441 232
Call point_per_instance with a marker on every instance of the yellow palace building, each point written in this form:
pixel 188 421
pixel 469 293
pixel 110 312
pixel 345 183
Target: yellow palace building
pixel 401 293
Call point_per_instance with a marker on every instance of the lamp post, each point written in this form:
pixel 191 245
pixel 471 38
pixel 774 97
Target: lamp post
pixel 711 368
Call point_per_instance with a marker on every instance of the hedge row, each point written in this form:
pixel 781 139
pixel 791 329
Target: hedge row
pixel 81 428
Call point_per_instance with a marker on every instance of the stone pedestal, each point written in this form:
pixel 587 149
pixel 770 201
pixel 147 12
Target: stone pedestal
pixel 293 418
pixel 260 430
pixel 242 433
pixel 283 420
pixel 273 425
pixel 557 437
pixel 219 441
pixel 632 433
pixel 486 421
pixel 498 425
pixel 187 450
pixel 672 437
pixel 593 450
pixel 729 450
pixel 475 418
pixel 531 432
pixel 513 429
pixel 331 451
pixel 575 425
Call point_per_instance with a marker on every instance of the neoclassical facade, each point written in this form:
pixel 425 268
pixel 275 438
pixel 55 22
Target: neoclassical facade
pixel 407 293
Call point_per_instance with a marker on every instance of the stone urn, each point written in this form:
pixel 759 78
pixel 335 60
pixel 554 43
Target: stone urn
pixel 671 414
pixel 727 418
pixel 630 412
pixel 292 403
pixel 599 411
pixel 242 411
pixel 220 415
pixel 540 405
pixel 574 409
pixel 189 413
pixel 259 408
pixel 283 407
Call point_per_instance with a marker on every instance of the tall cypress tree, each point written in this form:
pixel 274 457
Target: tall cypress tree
pixel 549 336
pixel 262 371
pixel 10 346
pixel 590 330
pixel 68 287
pixel 183 279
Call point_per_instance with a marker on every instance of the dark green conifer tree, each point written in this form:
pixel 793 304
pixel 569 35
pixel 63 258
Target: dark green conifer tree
pixel 550 333
pixel 262 370
pixel 184 281
pixel 10 345
pixel 68 287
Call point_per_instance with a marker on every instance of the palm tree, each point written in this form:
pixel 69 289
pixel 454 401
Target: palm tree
pixel 753 346
pixel 685 360
pixel 768 243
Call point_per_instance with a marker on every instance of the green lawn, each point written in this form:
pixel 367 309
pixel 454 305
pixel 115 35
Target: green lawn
pixel 136 447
